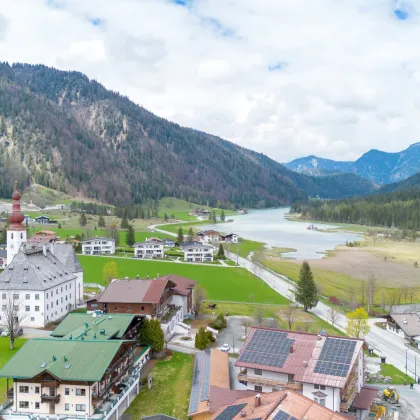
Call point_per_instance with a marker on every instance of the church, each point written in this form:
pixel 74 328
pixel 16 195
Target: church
pixel 45 281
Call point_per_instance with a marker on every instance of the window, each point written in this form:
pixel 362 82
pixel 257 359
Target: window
pixel 15 296
pixel 4 296
pixel 129 307
pixel 37 297
pixel 316 399
pixel 52 305
pixel 67 407
pixel 36 308
pixel 24 389
pixel 32 319
pixel 322 401
pixel 48 306
pixel 27 296
pixel 142 308
pixel 257 372
pixel 37 405
pixel 47 295
pixel 27 308
pixel 258 388
pixel 61 300
pixel 66 391
pixel 61 288
pixel 322 387
pixel 23 404
pixel 37 390
pixel 80 392
pixel 316 386
pixel 56 302
pixel 115 308
pixel 80 407
pixel 66 286
pixel 16 308
pixel 56 291
pixel 52 292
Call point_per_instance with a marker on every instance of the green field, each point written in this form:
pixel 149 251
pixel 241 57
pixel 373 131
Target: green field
pixel 245 246
pixel 5 355
pixel 174 227
pixel 221 283
pixel 170 391
pixel 181 208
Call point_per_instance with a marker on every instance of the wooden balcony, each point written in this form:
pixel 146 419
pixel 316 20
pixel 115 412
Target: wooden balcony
pixel 10 394
pixel 49 384
pixel 269 382
pixel 50 398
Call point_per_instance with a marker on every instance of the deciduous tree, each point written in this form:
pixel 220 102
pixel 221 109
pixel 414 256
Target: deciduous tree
pixel 290 315
pixel 199 295
pixel 82 220
pixel 357 323
pixel 101 222
pixel 222 216
pixel 110 272
pixel 259 315
pixel 333 316
pixel 306 292
pixel 12 315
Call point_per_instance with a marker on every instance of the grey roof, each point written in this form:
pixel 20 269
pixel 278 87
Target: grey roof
pixel 409 323
pixel 67 255
pixel 158 417
pixel 148 242
pixel 3 253
pixel 30 269
pixel 97 238
pixel 198 245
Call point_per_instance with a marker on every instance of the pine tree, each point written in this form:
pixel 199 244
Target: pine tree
pixel 190 235
pixel 124 223
pixel 82 220
pixel 165 217
pixel 222 216
pixel 306 292
pixel 101 222
pixel 130 236
pixel 157 337
pixel 180 237
pixel 214 218
pixel 221 252
pixel 201 339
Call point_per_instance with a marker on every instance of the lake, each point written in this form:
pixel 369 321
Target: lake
pixel 271 227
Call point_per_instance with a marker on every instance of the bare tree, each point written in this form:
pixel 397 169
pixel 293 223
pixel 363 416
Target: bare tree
pixel 13 316
pixel 383 300
pixel 362 293
pixel 246 323
pixel 373 235
pixel 259 315
pixel 412 292
pixel 252 298
pixel 333 316
pixel 306 325
pixel 199 296
pixel 371 289
pixel 290 315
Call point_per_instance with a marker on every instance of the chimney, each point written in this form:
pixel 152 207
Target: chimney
pixel 305 363
pixel 44 250
pixel 257 400
pixel 291 349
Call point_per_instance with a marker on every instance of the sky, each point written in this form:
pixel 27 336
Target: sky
pixel 287 78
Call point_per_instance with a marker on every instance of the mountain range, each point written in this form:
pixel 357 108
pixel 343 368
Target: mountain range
pixel 378 166
pixel 61 130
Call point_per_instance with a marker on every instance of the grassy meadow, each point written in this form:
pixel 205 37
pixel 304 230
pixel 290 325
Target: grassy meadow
pixel 221 283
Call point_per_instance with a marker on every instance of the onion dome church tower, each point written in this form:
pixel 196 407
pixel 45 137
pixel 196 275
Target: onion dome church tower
pixel 16 233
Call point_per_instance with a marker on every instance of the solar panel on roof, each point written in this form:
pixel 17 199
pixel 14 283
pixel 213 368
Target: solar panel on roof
pixel 195 387
pixel 268 348
pixel 335 357
pixel 230 412
pixel 205 376
pixel 281 415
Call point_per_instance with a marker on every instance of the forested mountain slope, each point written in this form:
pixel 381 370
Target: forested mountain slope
pixel 399 208
pixel 69 133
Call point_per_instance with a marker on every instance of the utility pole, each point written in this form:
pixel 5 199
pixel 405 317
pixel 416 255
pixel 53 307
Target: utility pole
pixel 406 361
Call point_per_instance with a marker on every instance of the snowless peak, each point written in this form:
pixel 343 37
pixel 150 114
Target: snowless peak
pixel 414 145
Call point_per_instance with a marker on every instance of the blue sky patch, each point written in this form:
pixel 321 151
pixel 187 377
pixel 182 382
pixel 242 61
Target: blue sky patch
pixel 217 26
pixel 401 14
pixel 96 21
pixel 276 66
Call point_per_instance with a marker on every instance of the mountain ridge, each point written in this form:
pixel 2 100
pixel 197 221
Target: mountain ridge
pixel 62 130
pixel 376 165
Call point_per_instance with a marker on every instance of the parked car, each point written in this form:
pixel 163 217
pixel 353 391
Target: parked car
pixel 18 332
pixel 225 348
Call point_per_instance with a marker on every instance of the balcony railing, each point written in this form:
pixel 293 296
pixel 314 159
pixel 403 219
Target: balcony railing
pixel 10 393
pixel 270 382
pixel 49 384
pixel 45 398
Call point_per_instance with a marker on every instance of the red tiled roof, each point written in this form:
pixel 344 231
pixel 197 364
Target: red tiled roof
pixel 365 397
pixel 306 348
pixel 222 396
pixel 183 286
pixel 134 291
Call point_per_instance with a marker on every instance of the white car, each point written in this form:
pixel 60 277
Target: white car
pixel 225 348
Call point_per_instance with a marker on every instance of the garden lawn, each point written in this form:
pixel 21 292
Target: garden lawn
pixel 396 375
pixel 174 227
pixel 170 391
pixel 5 355
pixel 221 283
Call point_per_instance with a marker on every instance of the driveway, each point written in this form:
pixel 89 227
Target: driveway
pixel 232 334
pixel 409 404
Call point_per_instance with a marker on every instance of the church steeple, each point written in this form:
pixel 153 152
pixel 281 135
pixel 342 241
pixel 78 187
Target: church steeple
pixel 16 233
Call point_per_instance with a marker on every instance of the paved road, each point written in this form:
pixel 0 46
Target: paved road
pixel 384 342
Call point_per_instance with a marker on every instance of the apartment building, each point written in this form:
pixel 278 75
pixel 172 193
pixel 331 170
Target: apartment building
pixel 98 246
pixel 198 252
pixel 149 249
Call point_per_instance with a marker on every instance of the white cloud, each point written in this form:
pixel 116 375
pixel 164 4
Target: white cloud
pixel 349 77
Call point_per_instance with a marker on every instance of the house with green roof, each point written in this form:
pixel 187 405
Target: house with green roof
pixel 89 376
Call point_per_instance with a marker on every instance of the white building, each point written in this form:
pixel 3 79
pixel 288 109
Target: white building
pixel 3 259
pixel 209 236
pixel 328 370
pixel 405 325
pixel 98 246
pixel 150 248
pixel 230 238
pixel 198 252
pixel 44 281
